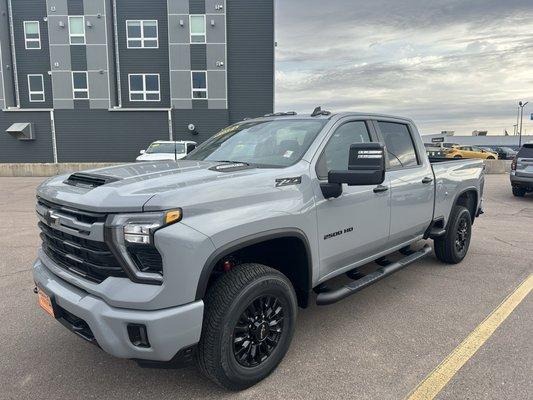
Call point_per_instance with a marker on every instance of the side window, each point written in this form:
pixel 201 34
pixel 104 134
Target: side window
pixel 399 143
pixel 336 153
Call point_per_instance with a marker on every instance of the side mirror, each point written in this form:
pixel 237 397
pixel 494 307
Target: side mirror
pixel 366 166
pixel 190 147
pixel 142 152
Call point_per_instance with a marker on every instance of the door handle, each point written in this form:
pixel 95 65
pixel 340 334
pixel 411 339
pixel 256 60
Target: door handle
pixel 380 189
pixel 427 180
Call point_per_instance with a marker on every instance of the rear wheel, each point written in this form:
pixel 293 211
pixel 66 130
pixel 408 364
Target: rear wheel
pixel 453 246
pixel 490 158
pixel 457 156
pixel 248 325
pixel 518 191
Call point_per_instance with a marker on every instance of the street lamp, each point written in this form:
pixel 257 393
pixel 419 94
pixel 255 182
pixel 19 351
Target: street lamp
pixel 521 105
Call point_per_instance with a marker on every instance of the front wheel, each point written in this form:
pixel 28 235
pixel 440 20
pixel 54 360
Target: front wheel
pixel 453 246
pixel 490 158
pixel 249 321
pixel 457 156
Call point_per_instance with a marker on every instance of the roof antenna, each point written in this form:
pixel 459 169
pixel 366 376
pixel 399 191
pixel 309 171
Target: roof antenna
pixel 316 112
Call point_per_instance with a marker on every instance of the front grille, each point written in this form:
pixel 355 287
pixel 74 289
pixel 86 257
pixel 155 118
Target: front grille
pixel 90 259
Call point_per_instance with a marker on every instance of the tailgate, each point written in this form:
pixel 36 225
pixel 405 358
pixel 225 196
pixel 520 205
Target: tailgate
pixel 524 167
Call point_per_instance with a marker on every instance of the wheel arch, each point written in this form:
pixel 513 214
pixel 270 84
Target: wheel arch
pixel 300 277
pixel 468 198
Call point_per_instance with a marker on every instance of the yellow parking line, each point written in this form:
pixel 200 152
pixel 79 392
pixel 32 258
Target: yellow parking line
pixel 436 380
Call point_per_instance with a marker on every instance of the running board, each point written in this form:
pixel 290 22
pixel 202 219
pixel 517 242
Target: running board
pixel 333 296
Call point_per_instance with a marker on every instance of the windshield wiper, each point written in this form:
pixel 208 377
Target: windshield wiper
pixel 232 162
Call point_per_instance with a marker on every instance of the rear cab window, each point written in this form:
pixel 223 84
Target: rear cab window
pixel 400 146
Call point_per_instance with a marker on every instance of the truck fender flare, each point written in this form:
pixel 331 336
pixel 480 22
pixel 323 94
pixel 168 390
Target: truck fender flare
pixel 458 195
pixel 246 241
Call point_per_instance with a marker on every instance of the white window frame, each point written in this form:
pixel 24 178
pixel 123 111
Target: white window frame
pixel 144 92
pixel 27 40
pixel 37 92
pixel 142 38
pixel 191 16
pixel 193 89
pixel 74 90
pixel 71 35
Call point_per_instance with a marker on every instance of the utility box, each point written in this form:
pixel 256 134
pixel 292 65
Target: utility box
pixel 21 131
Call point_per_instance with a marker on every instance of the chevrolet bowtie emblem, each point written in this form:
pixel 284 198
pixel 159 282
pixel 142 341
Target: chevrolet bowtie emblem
pixel 53 219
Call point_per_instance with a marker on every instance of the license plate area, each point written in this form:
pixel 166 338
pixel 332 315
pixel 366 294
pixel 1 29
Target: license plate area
pixel 46 302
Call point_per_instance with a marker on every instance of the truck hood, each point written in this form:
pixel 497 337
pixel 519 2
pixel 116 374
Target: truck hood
pixel 159 185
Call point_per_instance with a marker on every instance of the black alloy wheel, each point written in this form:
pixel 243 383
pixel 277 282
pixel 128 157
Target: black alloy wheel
pixel 258 331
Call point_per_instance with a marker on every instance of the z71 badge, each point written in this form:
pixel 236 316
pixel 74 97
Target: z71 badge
pixel 288 181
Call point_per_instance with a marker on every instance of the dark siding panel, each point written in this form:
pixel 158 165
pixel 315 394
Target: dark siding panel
pixel 100 135
pixel 32 61
pixel 207 123
pixel 197 6
pixel 250 58
pixel 75 7
pixel 78 56
pixel 198 57
pixel 144 60
pixel 13 150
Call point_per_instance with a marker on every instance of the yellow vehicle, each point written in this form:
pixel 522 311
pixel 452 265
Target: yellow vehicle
pixel 470 152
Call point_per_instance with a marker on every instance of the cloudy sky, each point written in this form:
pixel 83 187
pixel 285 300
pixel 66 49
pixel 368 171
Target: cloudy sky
pixel 448 64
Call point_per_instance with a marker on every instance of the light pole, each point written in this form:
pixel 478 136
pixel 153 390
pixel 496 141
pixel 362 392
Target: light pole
pixel 521 105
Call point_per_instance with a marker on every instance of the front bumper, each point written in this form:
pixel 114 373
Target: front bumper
pixel 521 181
pixel 169 330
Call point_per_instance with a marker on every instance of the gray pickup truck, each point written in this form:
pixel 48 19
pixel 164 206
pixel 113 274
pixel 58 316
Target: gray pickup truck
pixel 208 258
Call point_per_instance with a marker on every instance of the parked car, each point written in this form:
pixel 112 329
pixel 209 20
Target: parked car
pixel 505 153
pixel 522 171
pixel 209 257
pixel 470 152
pixel 167 151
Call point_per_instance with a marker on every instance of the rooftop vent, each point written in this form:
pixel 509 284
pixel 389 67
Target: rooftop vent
pixel 21 130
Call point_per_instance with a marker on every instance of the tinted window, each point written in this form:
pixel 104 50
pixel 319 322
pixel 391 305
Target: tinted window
pixel 526 151
pixel 399 143
pixel 336 153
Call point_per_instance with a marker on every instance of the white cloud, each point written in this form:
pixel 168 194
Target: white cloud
pixel 455 66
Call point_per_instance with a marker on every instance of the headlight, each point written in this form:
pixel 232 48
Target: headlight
pixel 131 239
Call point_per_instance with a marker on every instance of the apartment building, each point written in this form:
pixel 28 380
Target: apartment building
pixel 98 80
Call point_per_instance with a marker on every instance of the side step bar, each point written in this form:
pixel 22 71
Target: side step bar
pixel 333 296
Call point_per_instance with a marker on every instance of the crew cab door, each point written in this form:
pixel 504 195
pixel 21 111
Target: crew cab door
pixel 411 181
pixel 356 224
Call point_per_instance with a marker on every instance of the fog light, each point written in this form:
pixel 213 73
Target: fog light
pixel 138 335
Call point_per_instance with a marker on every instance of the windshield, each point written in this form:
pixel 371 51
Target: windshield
pixel 274 143
pixel 156 148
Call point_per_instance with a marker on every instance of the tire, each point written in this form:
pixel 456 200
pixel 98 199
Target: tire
pixel 457 156
pixel 246 287
pixel 490 158
pixel 453 246
pixel 518 191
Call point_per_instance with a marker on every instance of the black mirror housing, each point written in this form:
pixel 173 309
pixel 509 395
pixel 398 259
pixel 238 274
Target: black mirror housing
pixel 366 166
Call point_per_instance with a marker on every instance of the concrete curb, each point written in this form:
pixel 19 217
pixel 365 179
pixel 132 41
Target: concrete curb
pixel 16 169
pixel 19 169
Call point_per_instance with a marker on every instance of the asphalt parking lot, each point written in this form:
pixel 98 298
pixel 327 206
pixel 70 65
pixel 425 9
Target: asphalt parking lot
pixel 377 344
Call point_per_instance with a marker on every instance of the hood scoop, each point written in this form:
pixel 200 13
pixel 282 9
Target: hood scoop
pixel 89 181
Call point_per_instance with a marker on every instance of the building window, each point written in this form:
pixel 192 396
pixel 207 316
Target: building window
pixel 76 29
pixel 199 84
pixel 144 87
pixel 142 34
pixel 197 24
pixel 36 88
pixel 32 35
pixel 80 85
